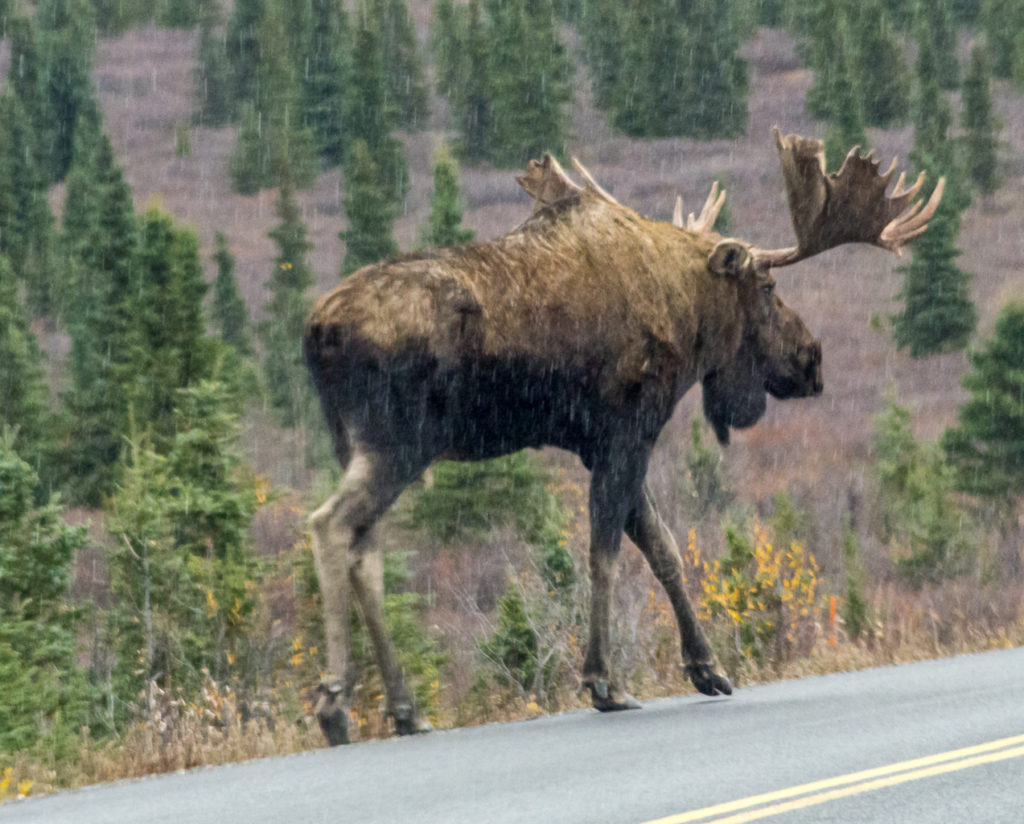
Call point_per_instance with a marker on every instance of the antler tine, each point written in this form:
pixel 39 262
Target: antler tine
pixel 546 181
pixel 849 206
pixel 912 222
pixel 708 214
pixel 677 213
pixel 591 184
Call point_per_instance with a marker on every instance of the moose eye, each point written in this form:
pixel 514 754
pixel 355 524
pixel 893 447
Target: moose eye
pixel 767 288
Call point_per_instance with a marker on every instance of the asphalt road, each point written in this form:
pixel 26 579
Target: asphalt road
pixel 672 760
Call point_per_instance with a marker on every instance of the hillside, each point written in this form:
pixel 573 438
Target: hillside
pixel 813 448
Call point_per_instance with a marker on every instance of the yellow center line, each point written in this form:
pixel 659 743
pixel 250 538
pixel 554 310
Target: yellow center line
pixel 863 781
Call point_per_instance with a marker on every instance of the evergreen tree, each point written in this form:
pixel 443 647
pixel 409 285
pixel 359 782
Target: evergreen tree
pixel 100 237
pixel 921 519
pixel 369 210
pixel 230 316
pixel 603 31
pixel 276 133
pixel 445 226
pixel 473 100
pixel 243 48
pixel 1003 22
pixel 26 224
pixel 44 697
pixel 987 444
pixel 325 74
pixel 938 315
pixel 24 400
pixel 979 124
pixel 26 80
pixel 288 389
pixel 529 72
pixel 879 66
pixel 846 103
pixel 406 88
pixel 935 23
pixel 182 573
pixel 717 102
pixel 174 352
pixel 831 58
pixel 448 33
pixel 213 79
pixel 372 115
pixel 67 36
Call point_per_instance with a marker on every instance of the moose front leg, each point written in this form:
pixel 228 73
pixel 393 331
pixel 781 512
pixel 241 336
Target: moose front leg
pixel 653 538
pixel 607 513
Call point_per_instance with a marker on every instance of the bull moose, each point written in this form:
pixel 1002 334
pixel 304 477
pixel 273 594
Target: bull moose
pixel 580 329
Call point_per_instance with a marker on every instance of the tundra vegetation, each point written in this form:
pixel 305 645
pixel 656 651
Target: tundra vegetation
pixel 157 482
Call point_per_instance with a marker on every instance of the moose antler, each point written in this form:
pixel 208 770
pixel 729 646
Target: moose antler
pixel 708 215
pixel 546 182
pixel 849 206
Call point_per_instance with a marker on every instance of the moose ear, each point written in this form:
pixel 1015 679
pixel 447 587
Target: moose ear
pixel 729 258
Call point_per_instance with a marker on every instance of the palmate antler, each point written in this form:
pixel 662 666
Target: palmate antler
pixel 849 206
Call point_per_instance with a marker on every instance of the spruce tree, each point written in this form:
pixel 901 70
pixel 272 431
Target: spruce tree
pixel 448 45
pixel 26 223
pixel 215 103
pixel 717 101
pixel 987 444
pixel 652 93
pixel 831 59
pixel 529 72
pixel 67 39
pixel 879 66
pixel 406 88
pixel 276 132
pixel 445 226
pixel 100 239
pixel 369 210
pixel 24 399
pixel 935 22
pixel 230 316
pixel 473 100
pixel 1003 22
pixel 371 114
pixel 44 695
pixel 285 312
pixel 326 72
pixel 174 352
pixel 603 26
pixel 847 127
pixel 938 315
pixel 243 48
pixel 979 124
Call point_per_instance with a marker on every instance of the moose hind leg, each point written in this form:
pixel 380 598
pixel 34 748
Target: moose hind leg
pixel 652 537
pixel 340 531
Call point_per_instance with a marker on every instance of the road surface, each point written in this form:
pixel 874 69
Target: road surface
pixel 937 741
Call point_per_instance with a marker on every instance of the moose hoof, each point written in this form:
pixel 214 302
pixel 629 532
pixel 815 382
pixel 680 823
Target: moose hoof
pixel 606 698
pixel 409 722
pixel 707 681
pixel 331 714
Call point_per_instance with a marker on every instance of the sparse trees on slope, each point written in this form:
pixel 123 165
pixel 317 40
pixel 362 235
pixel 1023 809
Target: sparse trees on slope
pixel 215 102
pixel 325 56
pixel 406 88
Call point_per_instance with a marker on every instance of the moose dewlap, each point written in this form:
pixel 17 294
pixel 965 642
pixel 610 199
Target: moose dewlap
pixel 581 329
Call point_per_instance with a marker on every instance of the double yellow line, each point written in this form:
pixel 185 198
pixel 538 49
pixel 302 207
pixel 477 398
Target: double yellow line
pixel 842 786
